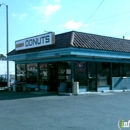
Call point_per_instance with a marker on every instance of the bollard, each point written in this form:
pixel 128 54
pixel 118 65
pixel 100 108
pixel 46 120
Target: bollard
pixel 76 88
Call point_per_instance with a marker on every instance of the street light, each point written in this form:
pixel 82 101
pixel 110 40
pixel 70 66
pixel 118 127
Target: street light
pixel 7 39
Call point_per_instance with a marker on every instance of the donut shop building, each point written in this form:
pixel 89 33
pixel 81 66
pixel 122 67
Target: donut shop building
pixel 55 62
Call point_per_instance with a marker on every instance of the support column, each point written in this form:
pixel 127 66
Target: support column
pixel 72 76
pixel 110 76
pixel 96 77
pixel 38 75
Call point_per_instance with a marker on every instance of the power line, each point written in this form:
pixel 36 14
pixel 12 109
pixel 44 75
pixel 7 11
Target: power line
pixel 113 16
pixel 95 11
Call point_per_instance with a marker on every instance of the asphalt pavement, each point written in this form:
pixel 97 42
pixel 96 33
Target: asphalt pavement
pixel 37 111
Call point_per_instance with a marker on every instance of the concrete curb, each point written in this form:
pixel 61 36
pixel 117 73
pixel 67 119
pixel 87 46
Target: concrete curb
pixel 43 93
pixel 126 90
pixel 82 93
pixel 87 93
pixel 104 91
pixel 65 94
pixel 108 91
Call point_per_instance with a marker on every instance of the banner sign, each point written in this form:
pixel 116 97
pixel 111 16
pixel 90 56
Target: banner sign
pixel 35 41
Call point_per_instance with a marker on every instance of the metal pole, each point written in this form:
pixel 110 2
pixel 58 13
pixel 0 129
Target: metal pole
pixel 8 80
pixel 7 39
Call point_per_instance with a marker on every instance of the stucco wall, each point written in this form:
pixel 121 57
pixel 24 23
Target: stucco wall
pixel 120 83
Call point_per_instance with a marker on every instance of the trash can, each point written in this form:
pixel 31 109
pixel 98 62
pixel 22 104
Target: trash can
pixel 76 88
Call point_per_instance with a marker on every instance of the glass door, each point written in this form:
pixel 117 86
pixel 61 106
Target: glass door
pixel 80 75
pixel 52 77
pixel 92 76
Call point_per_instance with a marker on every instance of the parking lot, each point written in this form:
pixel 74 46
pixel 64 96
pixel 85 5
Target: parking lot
pixel 35 111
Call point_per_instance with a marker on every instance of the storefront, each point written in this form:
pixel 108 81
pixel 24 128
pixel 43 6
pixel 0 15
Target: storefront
pixel 54 62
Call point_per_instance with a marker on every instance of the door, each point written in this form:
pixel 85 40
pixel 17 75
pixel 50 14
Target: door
pixel 92 82
pixel 80 75
pixel 53 77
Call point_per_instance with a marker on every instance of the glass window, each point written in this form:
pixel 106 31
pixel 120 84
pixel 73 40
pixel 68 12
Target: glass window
pixel 64 71
pixel 32 73
pixel 43 74
pixel 20 72
pixel 80 73
pixel 126 70
pixel 68 71
pixel 103 73
pixel 91 69
pixel 61 71
pixel 115 70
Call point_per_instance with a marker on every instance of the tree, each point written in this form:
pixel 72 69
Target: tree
pixel 2 57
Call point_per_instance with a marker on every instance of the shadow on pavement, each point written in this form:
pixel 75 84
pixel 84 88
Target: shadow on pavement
pixel 5 95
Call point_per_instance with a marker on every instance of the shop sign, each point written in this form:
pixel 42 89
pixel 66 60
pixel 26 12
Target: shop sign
pixel 36 41
pixel 80 67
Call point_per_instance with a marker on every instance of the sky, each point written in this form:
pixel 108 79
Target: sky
pixel 33 17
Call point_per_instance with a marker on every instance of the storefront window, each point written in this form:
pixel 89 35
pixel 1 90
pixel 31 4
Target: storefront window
pixel 103 73
pixel 68 71
pixel 32 73
pixel 91 69
pixel 80 73
pixel 64 71
pixel 59 76
pixel 126 70
pixel 61 72
pixel 43 74
pixel 20 72
pixel 64 76
pixel 115 70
